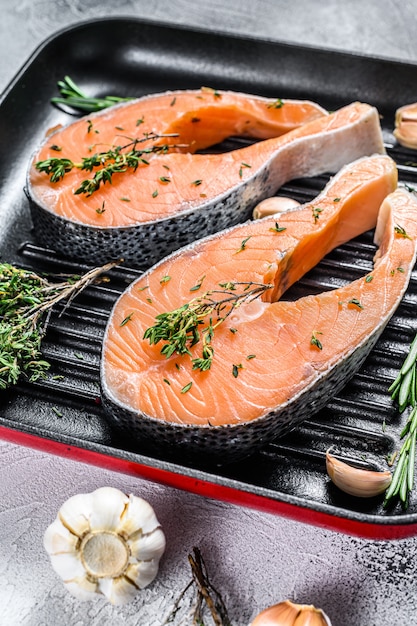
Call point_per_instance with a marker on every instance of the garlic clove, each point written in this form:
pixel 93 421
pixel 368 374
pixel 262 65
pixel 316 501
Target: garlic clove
pixel 111 555
pixel 58 539
pixel 118 591
pixel 148 546
pixel 67 565
pixel 354 481
pixel 82 588
pixel 273 206
pixel 142 573
pixel 108 506
pixel 138 507
pixel 75 513
pixel 288 613
pixel 311 616
pixel 405 130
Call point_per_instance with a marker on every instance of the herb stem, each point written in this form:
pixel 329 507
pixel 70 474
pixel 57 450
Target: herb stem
pixel 104 164
pixel 179 329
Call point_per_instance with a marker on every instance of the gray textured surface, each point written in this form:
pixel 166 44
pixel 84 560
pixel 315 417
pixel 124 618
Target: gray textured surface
pixel 256 559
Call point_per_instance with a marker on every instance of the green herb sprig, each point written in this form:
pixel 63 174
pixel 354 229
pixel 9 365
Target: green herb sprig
pixel 72 96
pixel 26 300
pixel 116 160
pixel 179 329
pixel 404 391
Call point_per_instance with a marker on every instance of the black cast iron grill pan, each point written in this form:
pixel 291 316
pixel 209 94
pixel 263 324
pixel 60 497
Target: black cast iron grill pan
pixel 63 414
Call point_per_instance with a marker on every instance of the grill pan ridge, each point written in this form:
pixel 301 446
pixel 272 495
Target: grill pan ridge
pixel 63 414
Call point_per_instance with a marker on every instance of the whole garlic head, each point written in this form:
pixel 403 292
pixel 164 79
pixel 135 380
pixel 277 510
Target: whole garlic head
pixel 107 543
pixel 288 613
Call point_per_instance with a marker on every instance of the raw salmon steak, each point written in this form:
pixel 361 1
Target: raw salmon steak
pixel 167 196
pixel 274 362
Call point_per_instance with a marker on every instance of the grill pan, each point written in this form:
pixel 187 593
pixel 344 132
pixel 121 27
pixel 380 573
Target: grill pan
pixel 63 414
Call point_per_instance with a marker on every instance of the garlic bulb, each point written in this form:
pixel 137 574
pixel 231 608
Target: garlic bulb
pixel 290 614
pixel 273 205
pixel 354 481
pixel 105 542
pixel 405 130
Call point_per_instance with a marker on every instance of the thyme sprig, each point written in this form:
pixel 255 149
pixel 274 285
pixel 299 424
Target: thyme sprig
pixel 26 300
pixel 179 329
pixel 73 97
pixel 116 160
pixel 404 391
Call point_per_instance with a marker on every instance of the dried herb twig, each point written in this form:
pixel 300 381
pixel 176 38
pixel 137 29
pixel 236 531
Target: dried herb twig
pixel 207 595
pixel 206 592
pixel 25 302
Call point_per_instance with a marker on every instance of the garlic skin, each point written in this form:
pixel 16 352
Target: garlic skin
pixel 105 543
pixel 405 130
pixel 354 481
pixel 288 613
pixel 273 206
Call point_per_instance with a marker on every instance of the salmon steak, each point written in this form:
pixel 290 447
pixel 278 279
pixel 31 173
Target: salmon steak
pixel 104 188
pixel 202 356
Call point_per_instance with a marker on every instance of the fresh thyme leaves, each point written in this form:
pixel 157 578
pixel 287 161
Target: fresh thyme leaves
pixel 355 302
pixel 243 165
pixel 126 319
pixel 243 244
pixel 72 96
pixel 404 391
pixel 55 168
pixel 180 329
pixel 316 213
pixel 314 341
pixel 277 228
pixel 235 369
pixel 277 104
pixel 401 231
pixel 197 286
pixel 187 387
pixel 116 160
pixel 25 301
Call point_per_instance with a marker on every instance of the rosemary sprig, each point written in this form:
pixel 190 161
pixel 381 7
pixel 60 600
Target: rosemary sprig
pixel 73 97
pixel 404 391
pixel 179 329
pixel 25 302
pixel 116 160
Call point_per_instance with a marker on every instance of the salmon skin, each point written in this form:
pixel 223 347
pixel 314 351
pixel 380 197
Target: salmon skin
pixel 274 362
pixel 177 196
